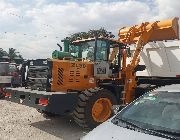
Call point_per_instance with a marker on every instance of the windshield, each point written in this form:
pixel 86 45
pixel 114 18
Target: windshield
pixel 4 69
pixel 156 110
pixel 86 50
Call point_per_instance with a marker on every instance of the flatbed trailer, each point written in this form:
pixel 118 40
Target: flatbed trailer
pixel 58 103
pixel 61 103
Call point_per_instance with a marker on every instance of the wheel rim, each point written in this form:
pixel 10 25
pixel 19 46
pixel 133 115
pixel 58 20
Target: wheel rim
pixel 101 110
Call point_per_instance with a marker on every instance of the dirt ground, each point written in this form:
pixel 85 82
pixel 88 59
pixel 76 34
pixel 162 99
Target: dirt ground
pixel 18 122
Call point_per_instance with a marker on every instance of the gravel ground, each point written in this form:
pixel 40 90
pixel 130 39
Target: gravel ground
pixel 18 122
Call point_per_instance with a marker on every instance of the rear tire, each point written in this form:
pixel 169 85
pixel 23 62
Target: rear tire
pixel 94 107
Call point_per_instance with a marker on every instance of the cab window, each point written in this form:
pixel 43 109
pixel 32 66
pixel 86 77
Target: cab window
pixel 102 50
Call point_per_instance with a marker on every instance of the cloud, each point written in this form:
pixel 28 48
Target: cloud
pixel 168 9
pixel 38 25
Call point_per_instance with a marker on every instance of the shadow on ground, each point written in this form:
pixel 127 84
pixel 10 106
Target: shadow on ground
pixel 61 127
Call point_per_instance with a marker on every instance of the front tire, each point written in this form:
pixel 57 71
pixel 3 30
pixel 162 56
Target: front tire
pixel 94 107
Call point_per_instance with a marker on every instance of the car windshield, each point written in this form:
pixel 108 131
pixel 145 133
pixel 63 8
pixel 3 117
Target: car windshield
pixel 4 69
pixel 157 110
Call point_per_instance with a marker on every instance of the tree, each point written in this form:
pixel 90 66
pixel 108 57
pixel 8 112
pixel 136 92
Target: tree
pixel 3 53
pixel 12 53
pixel 14 56
pixel 90 34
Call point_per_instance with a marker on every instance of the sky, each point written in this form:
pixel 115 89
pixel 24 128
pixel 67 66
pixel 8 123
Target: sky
pixel 34 27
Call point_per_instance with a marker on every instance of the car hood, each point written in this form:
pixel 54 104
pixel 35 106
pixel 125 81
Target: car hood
pixel 109 131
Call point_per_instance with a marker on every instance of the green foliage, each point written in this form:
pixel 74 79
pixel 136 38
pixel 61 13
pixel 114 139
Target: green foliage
pixel 12 54
pixel 3 53
pixel 90 34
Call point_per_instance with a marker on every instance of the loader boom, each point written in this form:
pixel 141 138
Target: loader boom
pixel 140 35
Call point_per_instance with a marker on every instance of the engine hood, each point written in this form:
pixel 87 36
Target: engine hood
pixel 109 131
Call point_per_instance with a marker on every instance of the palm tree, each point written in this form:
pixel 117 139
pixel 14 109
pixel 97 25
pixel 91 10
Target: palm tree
pixel 3 53
pixel 12 53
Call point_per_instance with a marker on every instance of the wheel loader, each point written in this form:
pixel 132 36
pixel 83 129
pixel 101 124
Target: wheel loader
pixel 92 75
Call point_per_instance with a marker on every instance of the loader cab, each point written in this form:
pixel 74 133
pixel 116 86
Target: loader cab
pixel 99 51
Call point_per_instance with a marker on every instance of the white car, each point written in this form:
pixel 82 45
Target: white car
pixel 5 78
pixel 154 116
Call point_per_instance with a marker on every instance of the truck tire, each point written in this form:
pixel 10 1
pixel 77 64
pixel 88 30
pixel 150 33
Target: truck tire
pixel 94 107
pixel 1 93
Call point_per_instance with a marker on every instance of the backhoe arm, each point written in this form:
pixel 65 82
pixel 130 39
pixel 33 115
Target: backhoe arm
pixel 142 40
pixel 140 35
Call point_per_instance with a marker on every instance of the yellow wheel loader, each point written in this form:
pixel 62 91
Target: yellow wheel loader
pixel 93 75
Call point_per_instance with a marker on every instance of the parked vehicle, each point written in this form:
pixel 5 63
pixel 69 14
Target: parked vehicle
pixel 5 77
pixel 9 76
pixel 15 73
pixel 154 116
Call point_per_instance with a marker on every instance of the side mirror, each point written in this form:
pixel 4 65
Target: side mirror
pixel 60 47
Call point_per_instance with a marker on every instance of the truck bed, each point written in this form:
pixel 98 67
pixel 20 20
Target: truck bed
pixel 161 59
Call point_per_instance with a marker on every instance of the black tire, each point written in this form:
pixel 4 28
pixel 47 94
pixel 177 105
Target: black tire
pixel 2 96
pixel 83 111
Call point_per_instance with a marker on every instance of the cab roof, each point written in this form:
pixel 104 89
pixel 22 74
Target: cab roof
pixel 111 40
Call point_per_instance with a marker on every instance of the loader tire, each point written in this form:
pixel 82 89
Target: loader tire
pixel 94 107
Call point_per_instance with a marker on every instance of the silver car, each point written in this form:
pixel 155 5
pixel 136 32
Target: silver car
pixel 154 116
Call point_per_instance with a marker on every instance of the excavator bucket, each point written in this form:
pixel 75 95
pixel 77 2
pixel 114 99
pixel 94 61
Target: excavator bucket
pixel 163 30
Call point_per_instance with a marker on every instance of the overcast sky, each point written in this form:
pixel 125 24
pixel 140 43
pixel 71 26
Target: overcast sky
pixel 34 27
